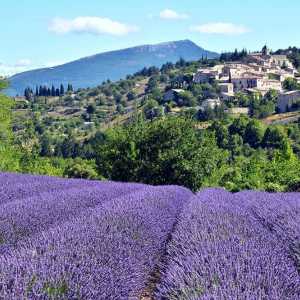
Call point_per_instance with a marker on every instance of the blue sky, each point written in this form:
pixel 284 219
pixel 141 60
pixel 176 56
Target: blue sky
pixel 38 33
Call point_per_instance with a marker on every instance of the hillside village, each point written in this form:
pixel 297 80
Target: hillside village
pixel 257 72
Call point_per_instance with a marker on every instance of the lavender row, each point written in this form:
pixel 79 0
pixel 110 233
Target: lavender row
pixel 279 213
pixel 108 253
pixel 24 217
pixel 19 186
pixel 220 250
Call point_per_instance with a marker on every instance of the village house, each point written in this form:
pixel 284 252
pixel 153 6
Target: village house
pixel 210 103
pixel 287 99
pixel 226 90
pixel 226 87
pixel 206 75
pixel 247 81
pixel 172 95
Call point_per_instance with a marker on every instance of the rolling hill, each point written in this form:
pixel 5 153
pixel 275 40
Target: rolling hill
pixel 114 65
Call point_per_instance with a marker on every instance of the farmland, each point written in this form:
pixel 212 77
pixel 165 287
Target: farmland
pixel 79 239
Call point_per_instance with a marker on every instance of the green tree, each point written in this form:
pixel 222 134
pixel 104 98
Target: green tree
pixel 274 137
pixel 131 96
pixel 254 133
pixel 238 126
pixel 46 148
pixel 61 90
pixel 91 109
pixel 80 168
pixel 188 99
pixel 165 151
pixel 291 84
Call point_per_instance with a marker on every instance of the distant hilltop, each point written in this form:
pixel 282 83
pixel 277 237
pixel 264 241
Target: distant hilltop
pixel 114 65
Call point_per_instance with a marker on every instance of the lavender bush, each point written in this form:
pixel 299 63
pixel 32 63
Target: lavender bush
pixel 108 252
pixel 222 250
pixel 24 217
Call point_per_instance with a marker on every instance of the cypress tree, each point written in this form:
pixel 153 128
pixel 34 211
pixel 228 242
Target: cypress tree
pixel 62 90
pixel 70 88
pixel 53 91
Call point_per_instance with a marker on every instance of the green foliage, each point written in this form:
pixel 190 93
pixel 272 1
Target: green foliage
pixel 80 168
pixel 165 151
pixel 291 84
pixel 254 133
pixel 274 137
pixel 3 84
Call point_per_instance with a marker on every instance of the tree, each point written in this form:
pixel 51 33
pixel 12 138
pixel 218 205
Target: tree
pixel 70 88
pixel 188 99
pixel 120 109
pixel 149 109
pixel 272 95
pixel 81 169
pixel 3 84
pixel 46 149
pixel 91 109
pixel 221 133
pixel 235 144
pixel 274 137
pixel 254 133
pixel 238 126
pixel 28 94
pixel 131 96
pixel 61 90
pixel 53 93
pixel 291 84
pixel 165 151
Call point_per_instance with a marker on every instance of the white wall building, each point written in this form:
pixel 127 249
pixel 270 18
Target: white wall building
pixel 287 99
pixel 210 103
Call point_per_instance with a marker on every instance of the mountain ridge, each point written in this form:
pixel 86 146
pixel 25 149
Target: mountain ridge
pixel 90 71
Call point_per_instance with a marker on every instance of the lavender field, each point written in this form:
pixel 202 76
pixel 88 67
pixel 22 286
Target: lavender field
pixel 78 239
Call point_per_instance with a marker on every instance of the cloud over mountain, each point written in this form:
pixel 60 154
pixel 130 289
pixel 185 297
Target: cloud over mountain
pixel 169 14
pixel 221 28
pixel 91 25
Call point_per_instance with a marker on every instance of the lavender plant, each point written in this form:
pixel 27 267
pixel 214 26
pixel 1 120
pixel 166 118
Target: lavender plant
pixel 108 252
pixel 221 250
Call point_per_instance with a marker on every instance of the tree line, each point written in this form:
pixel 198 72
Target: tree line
pixel 46 91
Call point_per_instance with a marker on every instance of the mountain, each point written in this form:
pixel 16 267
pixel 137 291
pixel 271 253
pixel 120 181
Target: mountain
pixel 114 65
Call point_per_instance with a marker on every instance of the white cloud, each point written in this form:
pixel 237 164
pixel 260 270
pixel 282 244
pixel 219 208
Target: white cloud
pixel 91 25
pixel 23 63
pixel 221 28
pixel 169 14
pixel 19 66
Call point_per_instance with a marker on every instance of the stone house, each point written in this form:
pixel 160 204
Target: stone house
pixel 287 99
pixel 210 103
pixel 247 81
